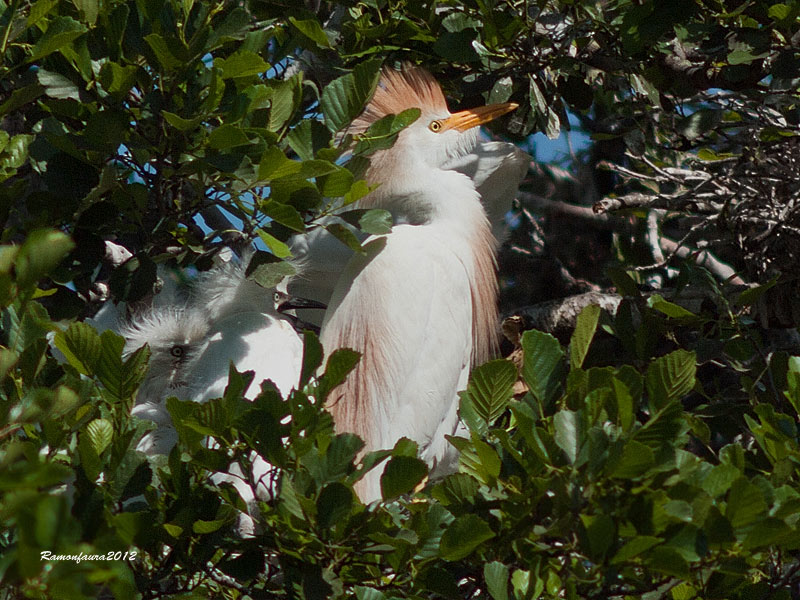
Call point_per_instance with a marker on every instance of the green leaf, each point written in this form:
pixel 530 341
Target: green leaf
pixel 20 97
pixel 779 12
pixel 268 270
pixel 338 366
pixel 39 10
pixel 200 526
pixel 100 432
pixel 312 356
pixel 668 308
pixel 663 427
pixel 793 382
pixel 769 532
pixel 335 461
pixel 80 345
pixel 117 79
pixel 165 51
pixel 683 591
pixel 720 478
pixel 582 336
pixel 61 32
pixel 521 582
pixel 284 214
pixel 42 251
pixel 669 561
pixel 88 10
pixel 383 132
pixel 90 460
pixel 636 459
pixel 634 548
pixel 58 86
pixel 742 57
pixel 368 593
pixel 344 98
pixel 670 378
pixel 679 509
pixel 601 534
pixel 306 137
pixel 278 248
pixel 345 235
pixel 8 358
pixel 285 100
pixel 456 47
pixel 179 122
pixel 547 118
pixel 457 488
pixel 542 365
pixel 501 90
pixel 745 504
pixel 275 165
pixel 108 366
pixel 496 576
pixel 358 190
pixel 458 21
pixel 625 398
pixel 490 389
pixel 569 433
pixel 623 282
pixel 334 504
pixel 376 221
pixel 463 536
pixel 173 530
pixel 227 136
pixel 477 458
pixel 750 296
pixel 312 30
pixel 242 63
pixel 401 475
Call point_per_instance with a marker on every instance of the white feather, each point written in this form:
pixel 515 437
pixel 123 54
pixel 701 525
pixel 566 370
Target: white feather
pixel 229 319
pixel 496 170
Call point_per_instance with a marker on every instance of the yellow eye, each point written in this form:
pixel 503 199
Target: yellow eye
pixel 435 126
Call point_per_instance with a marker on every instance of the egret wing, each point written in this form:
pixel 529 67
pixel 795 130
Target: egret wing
pixel 253 341
pixel 406 307
pixel 496 169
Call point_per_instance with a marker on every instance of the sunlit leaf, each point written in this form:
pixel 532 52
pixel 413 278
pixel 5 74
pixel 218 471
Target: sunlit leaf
pixel 344 98
pixel 463 536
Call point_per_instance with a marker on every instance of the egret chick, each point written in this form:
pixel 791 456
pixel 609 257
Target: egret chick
pixel 227 319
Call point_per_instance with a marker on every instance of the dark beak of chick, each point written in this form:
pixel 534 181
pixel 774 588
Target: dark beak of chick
pixel 286 302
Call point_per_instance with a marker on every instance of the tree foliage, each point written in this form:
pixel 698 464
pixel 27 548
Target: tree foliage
pixel 651 450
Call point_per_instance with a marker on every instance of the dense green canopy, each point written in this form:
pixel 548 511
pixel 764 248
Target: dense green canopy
pixel 651 447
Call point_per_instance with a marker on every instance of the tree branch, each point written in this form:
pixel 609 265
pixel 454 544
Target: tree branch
pixel 703 258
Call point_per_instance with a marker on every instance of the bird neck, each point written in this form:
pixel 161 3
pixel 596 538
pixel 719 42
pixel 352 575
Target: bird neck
pixel 419 194
pixel 448 203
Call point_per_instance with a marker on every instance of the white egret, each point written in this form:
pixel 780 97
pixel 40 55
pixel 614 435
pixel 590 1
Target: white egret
pixel 227 319
pixel 496 170
pixel 421 304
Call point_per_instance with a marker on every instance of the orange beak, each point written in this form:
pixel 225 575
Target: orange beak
pixel 467 119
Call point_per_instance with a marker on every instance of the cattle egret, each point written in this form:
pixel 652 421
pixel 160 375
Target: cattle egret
pixel 421 304
pixel 496 170
pixel 227 319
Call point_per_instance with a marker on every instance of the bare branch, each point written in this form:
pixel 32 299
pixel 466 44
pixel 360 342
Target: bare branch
pixel 559 316
pixel 669 202
pixel 705 259
pixel 556 208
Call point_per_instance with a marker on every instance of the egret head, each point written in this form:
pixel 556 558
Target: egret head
pixel 175 336
pixel 438 135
